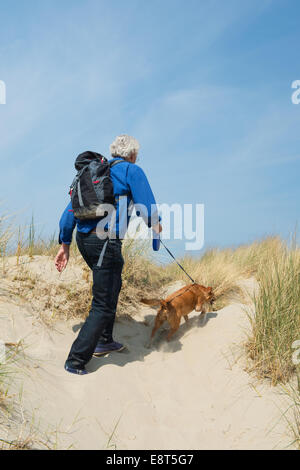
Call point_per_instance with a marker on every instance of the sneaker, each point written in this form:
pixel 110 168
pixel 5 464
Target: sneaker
pixel 102 349
pixel 72 370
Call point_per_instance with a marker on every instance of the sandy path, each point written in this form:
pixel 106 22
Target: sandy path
pixel 189 394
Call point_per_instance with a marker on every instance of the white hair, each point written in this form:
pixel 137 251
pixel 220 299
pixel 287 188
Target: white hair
pixel 123 146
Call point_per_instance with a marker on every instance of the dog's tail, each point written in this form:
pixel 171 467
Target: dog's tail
pixel 151 301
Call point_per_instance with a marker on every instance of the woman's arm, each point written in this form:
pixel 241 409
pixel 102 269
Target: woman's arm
pixel 67 224
pixel 142 195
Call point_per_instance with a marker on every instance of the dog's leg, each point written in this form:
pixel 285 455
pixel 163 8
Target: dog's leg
pixel 203 315
pixel 158 322
pixel 174 328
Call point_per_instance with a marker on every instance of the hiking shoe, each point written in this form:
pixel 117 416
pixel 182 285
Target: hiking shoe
pixel 72 370
pixel 102 349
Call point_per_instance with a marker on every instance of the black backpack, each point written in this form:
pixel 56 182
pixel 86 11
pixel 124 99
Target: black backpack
pixel 92 186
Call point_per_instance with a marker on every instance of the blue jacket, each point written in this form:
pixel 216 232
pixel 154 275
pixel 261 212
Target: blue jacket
pixel 128 180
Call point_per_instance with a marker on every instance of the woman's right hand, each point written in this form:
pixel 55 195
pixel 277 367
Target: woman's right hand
pixel 157 228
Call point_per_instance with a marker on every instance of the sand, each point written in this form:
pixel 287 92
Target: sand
pixel 191 393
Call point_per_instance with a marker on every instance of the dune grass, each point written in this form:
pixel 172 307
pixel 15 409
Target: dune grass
pixel 69 299
pixel 7 405
pixel 141 276
pixel 6 234
pixel 292 414
pixel 275 324
pixel 216 268
pixel 18 430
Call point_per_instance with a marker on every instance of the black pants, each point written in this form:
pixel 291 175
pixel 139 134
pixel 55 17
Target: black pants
pixel 104 257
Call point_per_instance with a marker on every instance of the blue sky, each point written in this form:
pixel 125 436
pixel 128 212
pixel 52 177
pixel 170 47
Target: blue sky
pixel 205 86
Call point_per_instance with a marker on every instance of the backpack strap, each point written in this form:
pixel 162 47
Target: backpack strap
pixel 111 164
pixel 115 162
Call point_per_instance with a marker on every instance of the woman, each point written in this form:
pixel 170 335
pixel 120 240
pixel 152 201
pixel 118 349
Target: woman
pixel 96 335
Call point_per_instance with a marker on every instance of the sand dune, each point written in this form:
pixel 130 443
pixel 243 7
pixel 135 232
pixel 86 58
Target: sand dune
pixel 191 393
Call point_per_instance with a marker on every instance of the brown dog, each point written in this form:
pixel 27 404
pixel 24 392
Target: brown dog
pixel 180 304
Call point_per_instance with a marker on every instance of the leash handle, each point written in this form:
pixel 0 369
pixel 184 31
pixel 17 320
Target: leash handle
pixel 177 261
pixel 155 241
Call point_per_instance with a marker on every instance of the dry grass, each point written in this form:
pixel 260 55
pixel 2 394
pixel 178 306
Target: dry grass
pixel 4 390
pixel 5 236
pixel 28 438
pixel 28 242
pixel 140 275
pixel 292 413
pixel 294 421
pixel 215 268
pixel 276 322
pixel 18 430
pixel 7 405
pixel 52 300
